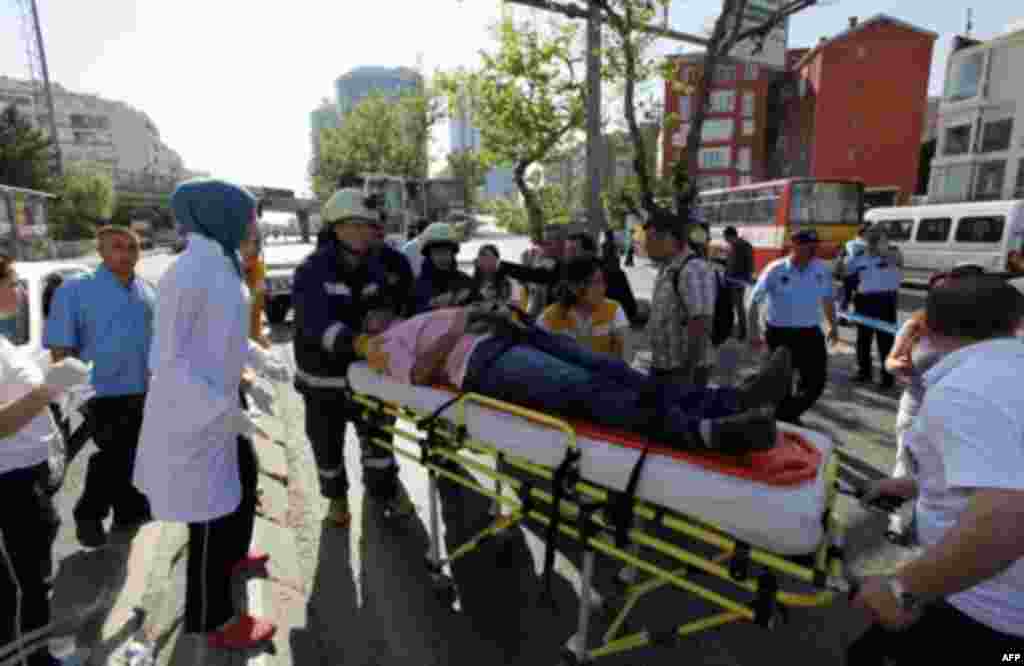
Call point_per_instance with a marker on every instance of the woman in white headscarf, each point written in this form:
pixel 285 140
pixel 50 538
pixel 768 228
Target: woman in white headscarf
pixel 195 462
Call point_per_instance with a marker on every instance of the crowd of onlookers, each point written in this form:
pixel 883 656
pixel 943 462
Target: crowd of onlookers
pixel 174 370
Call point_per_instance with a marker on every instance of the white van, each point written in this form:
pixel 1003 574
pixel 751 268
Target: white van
pixel 935 238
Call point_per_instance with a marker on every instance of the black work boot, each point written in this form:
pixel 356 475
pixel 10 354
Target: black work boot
pixel 771 384
pixel 752 430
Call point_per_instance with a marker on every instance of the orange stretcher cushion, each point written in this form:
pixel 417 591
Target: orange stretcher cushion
pixel 791 462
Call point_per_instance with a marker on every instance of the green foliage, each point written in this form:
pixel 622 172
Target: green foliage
pixel 24 152
pixel 528 100
pixel 511 214
pixel 469 167
pixel 380 135
pixel 85 199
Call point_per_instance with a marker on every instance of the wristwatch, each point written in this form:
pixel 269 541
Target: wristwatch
pixel 908 603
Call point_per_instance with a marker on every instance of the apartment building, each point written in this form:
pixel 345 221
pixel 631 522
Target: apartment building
pixel 980 128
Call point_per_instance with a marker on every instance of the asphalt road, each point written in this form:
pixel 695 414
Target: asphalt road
pixel 372 602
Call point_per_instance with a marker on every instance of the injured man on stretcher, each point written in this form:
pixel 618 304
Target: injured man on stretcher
pixel 482 350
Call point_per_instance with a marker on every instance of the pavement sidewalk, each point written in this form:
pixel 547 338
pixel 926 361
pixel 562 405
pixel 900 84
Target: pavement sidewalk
pixel 150 602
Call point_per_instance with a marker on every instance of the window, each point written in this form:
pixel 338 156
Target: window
pixel 84 137
pixel 717 129
pixel 965 77
pixel 980 229
pixel 83 121
pixel 989 183
pixel 897 230
pixel 748 105
pixel 712 182
pixel 751 71
pixel 725 73
pixel 934 230
pixel 714 158
pixel 996 135
pixel 825 203
pixel 722 101
pixel 684 107
pixel 1019 193
pixel 958 140
pixel 743 159
pixel 763 208
pixel 748 128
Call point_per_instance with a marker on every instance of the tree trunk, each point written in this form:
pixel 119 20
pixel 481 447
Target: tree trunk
pixel 534 214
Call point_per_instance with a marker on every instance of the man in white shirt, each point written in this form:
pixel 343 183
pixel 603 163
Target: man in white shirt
pixel 966 591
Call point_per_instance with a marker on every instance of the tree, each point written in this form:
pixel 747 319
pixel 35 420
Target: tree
pixel 528 101
pixel 469 167
pixel 731 28
pixel 24 152
pixel 85 200
pixel 382 134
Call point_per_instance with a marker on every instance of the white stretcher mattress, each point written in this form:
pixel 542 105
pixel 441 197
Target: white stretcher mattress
pixel 786 520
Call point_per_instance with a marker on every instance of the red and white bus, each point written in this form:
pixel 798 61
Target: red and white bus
pixel 766 214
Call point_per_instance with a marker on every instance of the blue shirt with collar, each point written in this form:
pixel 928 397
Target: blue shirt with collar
pixel 794 296
pixel 109 324
pixel 878 274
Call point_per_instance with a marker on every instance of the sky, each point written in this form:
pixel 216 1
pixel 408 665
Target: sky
pixel 231 83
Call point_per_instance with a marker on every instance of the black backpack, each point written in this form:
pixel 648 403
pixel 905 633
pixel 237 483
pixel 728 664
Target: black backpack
pixel 722 318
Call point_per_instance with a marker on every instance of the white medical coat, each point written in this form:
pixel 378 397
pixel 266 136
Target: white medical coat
pixel 187 461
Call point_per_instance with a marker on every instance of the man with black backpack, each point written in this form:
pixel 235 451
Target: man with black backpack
pixel 691 311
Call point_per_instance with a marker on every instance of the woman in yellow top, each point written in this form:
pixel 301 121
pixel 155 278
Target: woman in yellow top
pixel 585 314
pixel 256 280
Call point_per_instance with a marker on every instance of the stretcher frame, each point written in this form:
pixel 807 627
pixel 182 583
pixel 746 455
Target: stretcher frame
pixel 580 510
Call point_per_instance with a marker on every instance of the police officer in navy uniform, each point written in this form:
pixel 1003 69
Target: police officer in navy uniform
pixel 878 273
pixel 335 292
pixel 798 288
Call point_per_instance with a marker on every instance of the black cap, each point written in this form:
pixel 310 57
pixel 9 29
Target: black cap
pixel 730 231
pixel 804 236
pixel 663 220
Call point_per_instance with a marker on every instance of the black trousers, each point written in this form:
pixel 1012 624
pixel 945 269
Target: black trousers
pixel 117 422
pixel 28 528
pixel 941 632
pixel 738 294
pixel 883 306
pixel 328 413
pixel 214 547
pixel 810 363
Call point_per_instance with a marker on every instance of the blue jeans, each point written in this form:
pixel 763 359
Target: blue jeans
pixel 554 374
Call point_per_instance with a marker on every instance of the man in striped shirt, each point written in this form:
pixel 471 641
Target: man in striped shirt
pixel 682 304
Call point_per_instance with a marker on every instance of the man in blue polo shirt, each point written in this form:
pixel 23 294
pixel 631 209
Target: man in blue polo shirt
pixel 798 288
pixel 106 317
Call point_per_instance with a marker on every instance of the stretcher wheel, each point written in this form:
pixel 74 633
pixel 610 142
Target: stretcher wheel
pixel 445 592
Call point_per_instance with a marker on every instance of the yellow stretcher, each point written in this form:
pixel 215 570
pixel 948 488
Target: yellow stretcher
pixel 762 584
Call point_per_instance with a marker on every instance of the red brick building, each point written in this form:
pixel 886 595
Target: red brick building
pixel 853 107
pixel 734 149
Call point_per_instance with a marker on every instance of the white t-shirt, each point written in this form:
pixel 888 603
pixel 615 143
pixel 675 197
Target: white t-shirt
pixel 28 447
pixel 970 434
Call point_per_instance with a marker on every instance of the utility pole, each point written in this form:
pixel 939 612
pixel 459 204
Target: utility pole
pixel 595 212
pixel 58 167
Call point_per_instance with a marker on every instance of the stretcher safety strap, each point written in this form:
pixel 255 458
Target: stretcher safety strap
pixel 565 477
pixel 621 507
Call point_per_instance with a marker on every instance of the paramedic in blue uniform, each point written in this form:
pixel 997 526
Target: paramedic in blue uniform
pixel 335 290
pixel 107 317
pixel 879 274
pixel 798 288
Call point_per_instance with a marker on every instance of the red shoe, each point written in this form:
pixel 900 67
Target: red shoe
pixel 242 633
pixel 255 559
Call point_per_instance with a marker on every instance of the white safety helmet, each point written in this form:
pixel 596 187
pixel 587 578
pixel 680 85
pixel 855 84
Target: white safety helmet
pixel 349 205
pixel 439 233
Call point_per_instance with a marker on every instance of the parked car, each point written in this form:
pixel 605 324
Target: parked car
pixel 281 261
pixel 936 238
pixel 33 277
